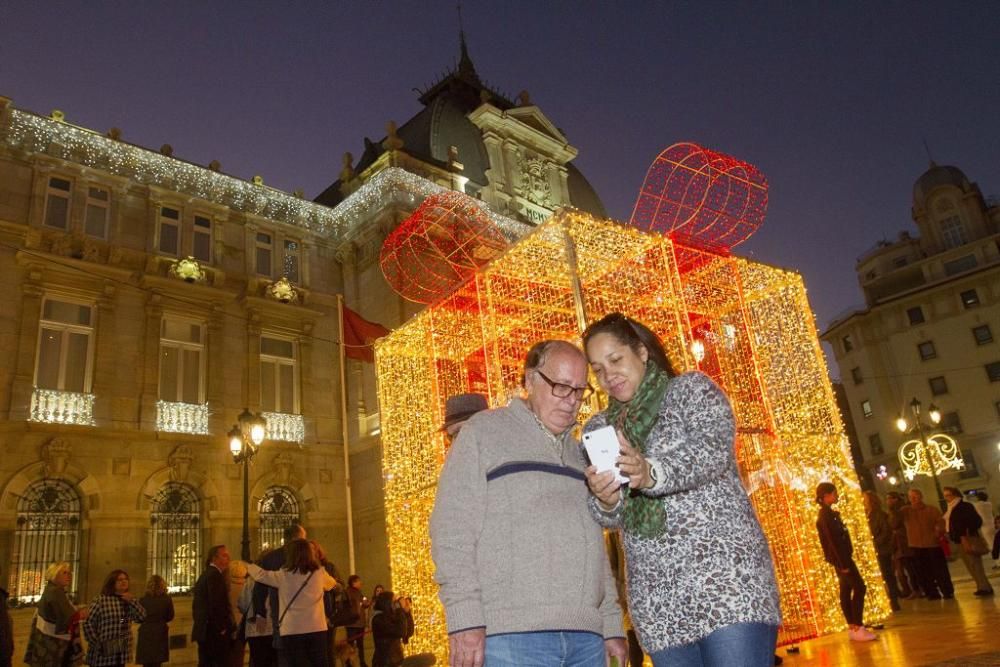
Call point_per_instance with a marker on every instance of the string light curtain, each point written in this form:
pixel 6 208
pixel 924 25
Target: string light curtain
pixel 756 336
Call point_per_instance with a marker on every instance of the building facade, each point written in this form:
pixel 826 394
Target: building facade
pixel 151 300
pixel 929 331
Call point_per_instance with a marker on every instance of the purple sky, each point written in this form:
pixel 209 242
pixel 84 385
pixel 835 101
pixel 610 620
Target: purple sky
pixel 832 101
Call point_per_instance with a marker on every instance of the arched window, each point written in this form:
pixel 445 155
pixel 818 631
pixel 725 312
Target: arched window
pixel 278 509
pixel 48 531
pixel 175 537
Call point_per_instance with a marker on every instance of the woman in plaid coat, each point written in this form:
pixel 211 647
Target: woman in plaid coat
pixel 108 625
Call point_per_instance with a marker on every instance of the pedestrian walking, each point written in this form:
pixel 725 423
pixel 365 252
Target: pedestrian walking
pixel 963 522
pixel 924 531
pixel 882 536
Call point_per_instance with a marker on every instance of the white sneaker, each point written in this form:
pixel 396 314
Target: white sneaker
pixel 861 635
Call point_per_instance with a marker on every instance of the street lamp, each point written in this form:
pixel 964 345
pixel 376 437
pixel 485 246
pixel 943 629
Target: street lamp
pixel 244 439
pixel 918 426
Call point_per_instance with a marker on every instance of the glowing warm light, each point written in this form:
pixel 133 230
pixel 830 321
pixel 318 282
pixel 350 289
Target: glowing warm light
pixel 882 472
pixel 701 195
pixel 934 414
pixel 902 424
pixel 893 480
pixel 439 247
pixel 941 453
pixel 235 441
pixel 759 342
pixel 698 350
pixel 257 432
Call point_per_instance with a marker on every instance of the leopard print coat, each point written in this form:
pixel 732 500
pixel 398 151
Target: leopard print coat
pixel 711 567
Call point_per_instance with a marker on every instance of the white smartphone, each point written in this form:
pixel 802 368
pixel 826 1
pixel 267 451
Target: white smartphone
pixel 603 448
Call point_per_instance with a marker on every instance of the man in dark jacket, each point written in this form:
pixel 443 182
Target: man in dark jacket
pixel 213 616
pixel 6 631
pixel 962 520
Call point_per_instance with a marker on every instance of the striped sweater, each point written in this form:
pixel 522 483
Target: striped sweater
pixel 514 546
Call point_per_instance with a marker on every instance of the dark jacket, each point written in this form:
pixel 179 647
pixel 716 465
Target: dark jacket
pixel 357 606
pixel 389 630
pixel 836 541
pixel 6 629
pixel 963 520
pixel 900 546
pixel 213 617
pixel 273 560
pixel 882 534
pixel 154 634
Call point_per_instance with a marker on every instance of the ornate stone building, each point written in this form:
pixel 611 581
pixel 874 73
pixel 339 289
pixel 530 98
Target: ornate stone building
pixel 928 330
pixel 150 300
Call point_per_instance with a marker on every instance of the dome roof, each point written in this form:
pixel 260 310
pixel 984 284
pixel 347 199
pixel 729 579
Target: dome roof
pixel 444 122
pixel 935 177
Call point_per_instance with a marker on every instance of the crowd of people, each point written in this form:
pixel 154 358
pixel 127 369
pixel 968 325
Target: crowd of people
pixel 517 538
pixel 290 608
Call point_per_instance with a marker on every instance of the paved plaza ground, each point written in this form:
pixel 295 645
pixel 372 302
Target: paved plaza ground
pixel 926 632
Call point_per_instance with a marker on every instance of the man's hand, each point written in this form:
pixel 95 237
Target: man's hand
pixel 467 648
pixel 604 485
pixel 617 648
pixel 128 597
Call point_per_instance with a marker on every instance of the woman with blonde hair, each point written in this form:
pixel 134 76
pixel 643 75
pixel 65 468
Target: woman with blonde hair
pixel 153 647
pixel 52 629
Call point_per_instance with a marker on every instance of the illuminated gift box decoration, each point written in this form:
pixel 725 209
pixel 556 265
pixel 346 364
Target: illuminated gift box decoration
pixel 757 339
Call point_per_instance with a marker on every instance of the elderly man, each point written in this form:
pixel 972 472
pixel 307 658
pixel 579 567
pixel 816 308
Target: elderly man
pixel 924 529
pixel 522 568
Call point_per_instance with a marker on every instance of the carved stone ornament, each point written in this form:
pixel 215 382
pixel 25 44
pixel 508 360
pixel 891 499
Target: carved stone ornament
pixel 55 457
pixel 535 185
pixel 282 465
pixel 180 463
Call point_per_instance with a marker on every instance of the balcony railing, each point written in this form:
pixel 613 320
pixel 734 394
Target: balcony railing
pixel 182 417
pixel 62 407
pixel 281 426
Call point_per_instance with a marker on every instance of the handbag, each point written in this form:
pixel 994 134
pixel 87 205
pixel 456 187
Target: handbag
pixel 974 545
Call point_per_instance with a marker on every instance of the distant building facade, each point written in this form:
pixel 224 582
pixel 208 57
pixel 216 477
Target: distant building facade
pixel 930 330
pixel 148 304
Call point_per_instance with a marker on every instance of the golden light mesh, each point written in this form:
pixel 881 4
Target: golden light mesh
pixel 760 344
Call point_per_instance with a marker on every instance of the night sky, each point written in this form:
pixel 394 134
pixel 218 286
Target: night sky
pixel 832 101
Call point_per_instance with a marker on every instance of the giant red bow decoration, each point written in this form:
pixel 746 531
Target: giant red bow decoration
pixel 703 197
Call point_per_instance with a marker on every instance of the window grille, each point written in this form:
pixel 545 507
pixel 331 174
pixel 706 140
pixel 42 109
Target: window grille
pixel 278 510
pixel 175 537
pixel 48 531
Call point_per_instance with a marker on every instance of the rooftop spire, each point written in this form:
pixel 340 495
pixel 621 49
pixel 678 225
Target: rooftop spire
pixel 465 66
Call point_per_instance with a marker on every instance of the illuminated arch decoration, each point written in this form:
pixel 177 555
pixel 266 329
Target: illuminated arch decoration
pixel 942 453
pixel 755 334
pixel 439 247
pixel 701 197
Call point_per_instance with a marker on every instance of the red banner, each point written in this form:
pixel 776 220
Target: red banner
pixel 359 334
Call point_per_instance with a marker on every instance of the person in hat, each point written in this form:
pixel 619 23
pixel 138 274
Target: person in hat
pixel 458 409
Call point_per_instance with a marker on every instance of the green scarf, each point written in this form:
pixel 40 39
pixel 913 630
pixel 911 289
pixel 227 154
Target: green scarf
pixel 643 515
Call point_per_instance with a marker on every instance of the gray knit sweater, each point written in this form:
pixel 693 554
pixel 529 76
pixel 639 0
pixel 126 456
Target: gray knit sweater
pixel 712 566
pixel 514 546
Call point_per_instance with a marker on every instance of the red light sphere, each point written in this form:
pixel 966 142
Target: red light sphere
pixel 439 247
pixel 701 196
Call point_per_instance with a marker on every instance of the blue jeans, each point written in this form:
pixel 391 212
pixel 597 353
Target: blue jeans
pixel 737 645
pixel 545 649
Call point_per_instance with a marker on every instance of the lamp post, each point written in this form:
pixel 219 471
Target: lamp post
pixel 918 425
pixel 244 439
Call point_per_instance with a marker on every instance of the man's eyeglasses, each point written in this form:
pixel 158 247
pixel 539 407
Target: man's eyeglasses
pixel 560 390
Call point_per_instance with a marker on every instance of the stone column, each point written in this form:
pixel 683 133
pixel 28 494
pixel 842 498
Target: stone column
pixel 19 407
pixel 107 360
pixel 150 363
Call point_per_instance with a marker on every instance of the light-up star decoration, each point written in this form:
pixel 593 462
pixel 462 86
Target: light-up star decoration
pixel 942 453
